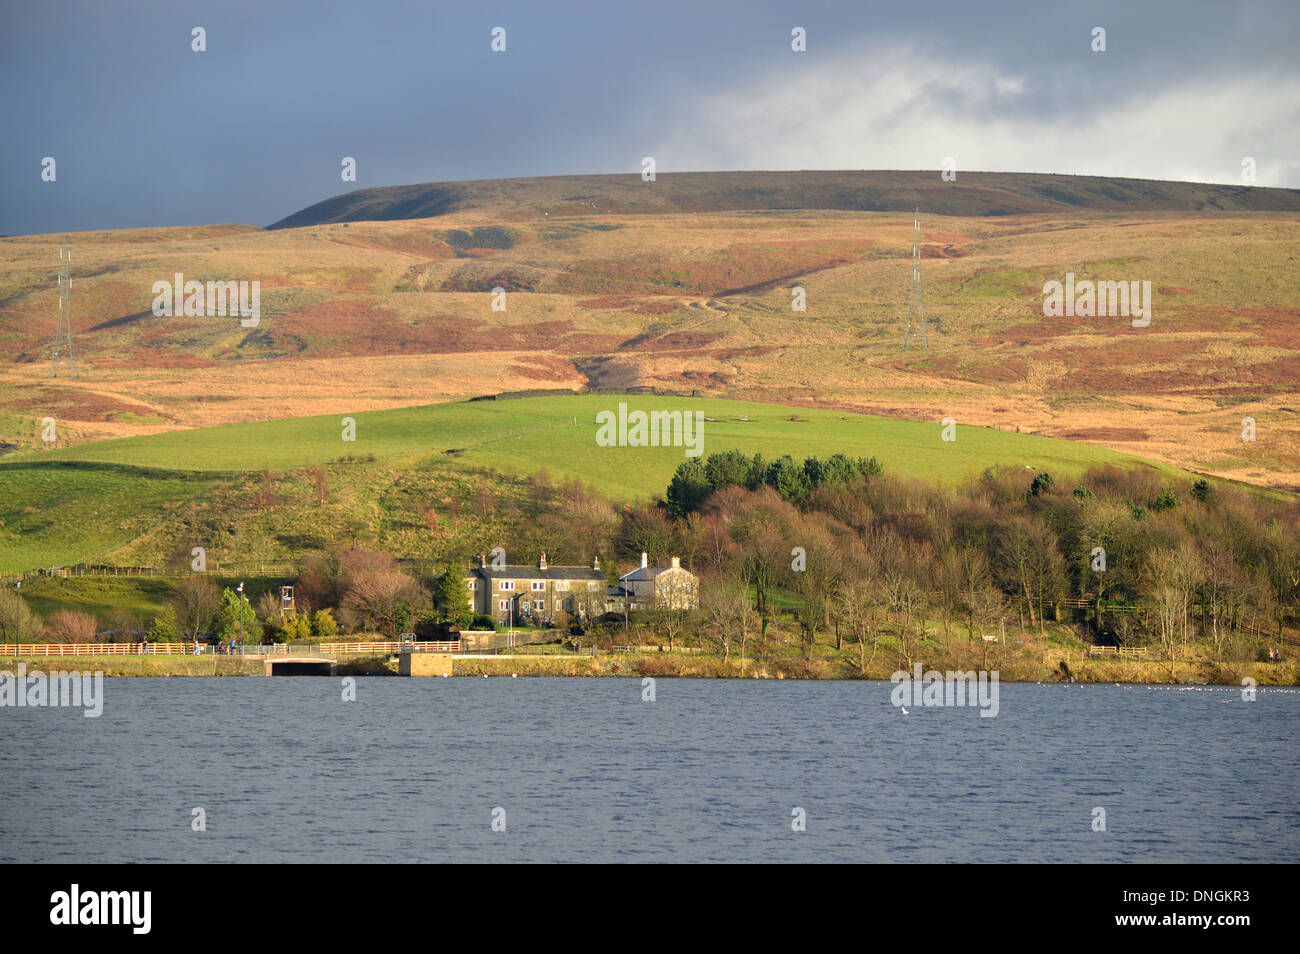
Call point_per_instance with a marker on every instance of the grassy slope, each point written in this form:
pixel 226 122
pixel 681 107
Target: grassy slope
pixel 51 515
pixel 80 503
pixel 559 433
pixel 143 596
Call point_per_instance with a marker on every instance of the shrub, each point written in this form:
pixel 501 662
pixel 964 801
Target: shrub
pixel 164 628
pixel 1165 501
pixel 295 627
pixel 323 625
pixel 17 622
pixel 870 467
pixel 1041 483
pixel 70 626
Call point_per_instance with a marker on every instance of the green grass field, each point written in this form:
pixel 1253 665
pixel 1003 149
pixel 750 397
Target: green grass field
pixel 143 596
pixel 559 434
pixel 98 595
pixel 51 514
pixel 78 504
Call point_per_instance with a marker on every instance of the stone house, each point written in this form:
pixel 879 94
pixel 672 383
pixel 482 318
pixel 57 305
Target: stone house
pixel 535 594
pixel 655 587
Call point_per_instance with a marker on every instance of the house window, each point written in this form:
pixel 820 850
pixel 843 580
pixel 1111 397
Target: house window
pixel 539 605
pixel 562 586
pixel 507 584
pixel 539 585
pixel 504 605
pixel 592 586
pixel 472 584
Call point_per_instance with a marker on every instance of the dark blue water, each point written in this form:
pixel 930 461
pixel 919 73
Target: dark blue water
pixel 586 771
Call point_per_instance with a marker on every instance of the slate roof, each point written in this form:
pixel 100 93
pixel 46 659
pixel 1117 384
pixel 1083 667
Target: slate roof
pixel 535 573
pixel 643 573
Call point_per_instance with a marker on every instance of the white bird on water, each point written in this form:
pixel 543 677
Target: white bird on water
pixel 904 708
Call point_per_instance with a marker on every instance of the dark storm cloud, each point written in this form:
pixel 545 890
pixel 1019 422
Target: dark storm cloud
pixel 146 132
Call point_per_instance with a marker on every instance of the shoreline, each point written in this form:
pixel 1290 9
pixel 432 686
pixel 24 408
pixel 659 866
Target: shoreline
pixel 1086 671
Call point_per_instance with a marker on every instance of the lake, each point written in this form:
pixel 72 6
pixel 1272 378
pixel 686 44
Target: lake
pixel 584 770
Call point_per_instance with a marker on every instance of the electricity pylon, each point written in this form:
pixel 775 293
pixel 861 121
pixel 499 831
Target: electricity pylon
pixel 915 298
pixel 63 330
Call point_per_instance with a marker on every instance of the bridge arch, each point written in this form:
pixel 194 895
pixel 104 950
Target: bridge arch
pixel 300 666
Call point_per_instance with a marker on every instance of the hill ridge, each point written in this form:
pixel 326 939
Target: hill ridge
pixel 972 194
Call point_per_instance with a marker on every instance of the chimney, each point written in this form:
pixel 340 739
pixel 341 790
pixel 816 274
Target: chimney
pixel 541 563
pixel 482 562
pixel 595 564
pixel 677 563
pixel 645 561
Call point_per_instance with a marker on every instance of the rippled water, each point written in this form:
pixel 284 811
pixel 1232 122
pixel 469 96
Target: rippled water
pixel 587 771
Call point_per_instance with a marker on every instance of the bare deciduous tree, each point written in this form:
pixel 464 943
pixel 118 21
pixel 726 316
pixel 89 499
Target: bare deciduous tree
pixel 861 602
pixel 729 615
pixel 196 603
pixel 1172 573
pixel 377 595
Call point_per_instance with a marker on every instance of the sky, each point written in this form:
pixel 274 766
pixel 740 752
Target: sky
pixel 145 131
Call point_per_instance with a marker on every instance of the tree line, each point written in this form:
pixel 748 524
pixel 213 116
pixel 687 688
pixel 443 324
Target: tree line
pixel 835 552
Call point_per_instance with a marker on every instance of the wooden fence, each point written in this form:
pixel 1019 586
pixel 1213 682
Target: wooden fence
pixel 187 649
pixel 1124 652
pixel 94 649
pixel 347 649
pixel 1106 605
pixel 266 569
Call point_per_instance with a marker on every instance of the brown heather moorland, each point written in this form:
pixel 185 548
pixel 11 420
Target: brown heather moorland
pixel 612 284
